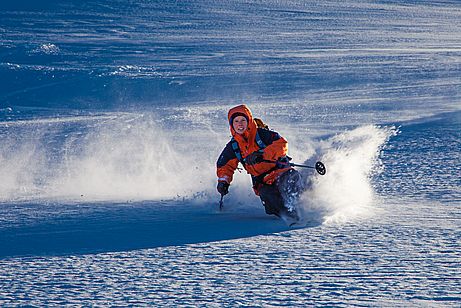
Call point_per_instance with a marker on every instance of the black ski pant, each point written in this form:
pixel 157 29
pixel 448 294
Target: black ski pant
pixel 280 197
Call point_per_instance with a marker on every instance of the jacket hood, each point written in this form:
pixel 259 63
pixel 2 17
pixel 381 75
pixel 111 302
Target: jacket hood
pixel 242 109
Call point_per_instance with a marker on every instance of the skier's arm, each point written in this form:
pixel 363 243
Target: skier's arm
pixel 276 149
pixel 276 145
pixel 226 165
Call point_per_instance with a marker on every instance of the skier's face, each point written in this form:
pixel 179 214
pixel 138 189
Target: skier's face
pixel 240 124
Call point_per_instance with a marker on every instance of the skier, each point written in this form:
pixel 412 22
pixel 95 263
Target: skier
pixel 262 152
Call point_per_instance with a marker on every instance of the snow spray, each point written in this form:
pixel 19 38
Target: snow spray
pixel 108 158
pixel 351 158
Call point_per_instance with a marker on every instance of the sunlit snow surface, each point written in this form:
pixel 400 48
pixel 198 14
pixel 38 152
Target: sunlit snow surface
pixel 112 115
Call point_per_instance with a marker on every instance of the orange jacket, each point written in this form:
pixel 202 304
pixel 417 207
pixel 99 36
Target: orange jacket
pixel 276 147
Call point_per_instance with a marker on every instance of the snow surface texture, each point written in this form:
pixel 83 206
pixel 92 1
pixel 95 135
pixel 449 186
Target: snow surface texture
pixel 112 115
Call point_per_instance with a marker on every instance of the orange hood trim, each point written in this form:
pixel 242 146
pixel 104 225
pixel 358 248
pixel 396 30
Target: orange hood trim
pixel 250 133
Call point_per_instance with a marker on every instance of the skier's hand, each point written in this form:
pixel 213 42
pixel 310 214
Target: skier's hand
pixel 223 188
pixel 254 158
pixel 283 162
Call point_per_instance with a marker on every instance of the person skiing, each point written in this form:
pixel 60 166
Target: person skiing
pixel 263 154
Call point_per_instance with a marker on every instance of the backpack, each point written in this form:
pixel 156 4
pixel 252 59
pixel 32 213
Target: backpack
pixel 261 124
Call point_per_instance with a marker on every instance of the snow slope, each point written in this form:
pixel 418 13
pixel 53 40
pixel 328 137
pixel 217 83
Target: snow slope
pixel 112 115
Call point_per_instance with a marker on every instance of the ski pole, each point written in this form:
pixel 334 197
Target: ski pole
pixel 319 166
pixel 221 203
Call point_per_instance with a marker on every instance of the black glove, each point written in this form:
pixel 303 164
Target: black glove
pixel 223 188
pixel 254 158
pixel 283 162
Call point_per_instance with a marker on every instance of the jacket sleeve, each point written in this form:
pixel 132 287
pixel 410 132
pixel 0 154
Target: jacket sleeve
pixel 276 145
pixel 227 164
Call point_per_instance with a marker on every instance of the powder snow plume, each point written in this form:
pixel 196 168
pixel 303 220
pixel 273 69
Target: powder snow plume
pixel 118 157
pixel 351 159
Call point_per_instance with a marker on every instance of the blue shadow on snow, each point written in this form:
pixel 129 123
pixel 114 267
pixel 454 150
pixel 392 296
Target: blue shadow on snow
pixel 60 229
